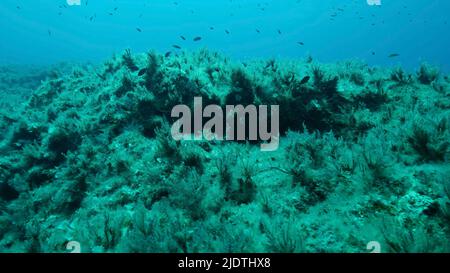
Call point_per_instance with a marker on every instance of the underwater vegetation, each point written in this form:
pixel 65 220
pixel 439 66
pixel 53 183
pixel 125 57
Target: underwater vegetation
pixel 364 156
pixel 18 81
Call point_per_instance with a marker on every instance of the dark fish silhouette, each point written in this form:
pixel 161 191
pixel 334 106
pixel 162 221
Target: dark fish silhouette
pixel 305 79
pixel 138 29
pixel 227 32
pixel 393 55
pixel 198 38
pixel 183 38
pixel 176 46
pixel 301 43
pixel 142 71
pixel 168 53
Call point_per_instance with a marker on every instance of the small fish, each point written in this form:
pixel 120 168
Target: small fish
pixel 168 53
pixel 176 46
pixel 227 32
pixel 142 72
pixel 183 38
pixel 198 38
pixel 305 79
pixel 211 28
pixel 393 55
pixel 279 31
pixel 257 30
pixel 301 43
pixel 138 29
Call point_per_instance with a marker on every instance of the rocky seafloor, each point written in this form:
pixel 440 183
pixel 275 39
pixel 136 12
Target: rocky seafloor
pixel 88 157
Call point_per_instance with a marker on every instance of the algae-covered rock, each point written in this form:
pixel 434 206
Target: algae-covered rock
pixel 363 156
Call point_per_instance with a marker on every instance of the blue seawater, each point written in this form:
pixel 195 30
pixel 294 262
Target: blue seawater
pixel 51 31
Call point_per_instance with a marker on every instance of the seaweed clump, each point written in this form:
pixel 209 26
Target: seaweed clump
pixel 427 74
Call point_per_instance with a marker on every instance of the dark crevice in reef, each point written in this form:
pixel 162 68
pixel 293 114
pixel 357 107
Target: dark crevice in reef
pixel 90 157
pixel 7 192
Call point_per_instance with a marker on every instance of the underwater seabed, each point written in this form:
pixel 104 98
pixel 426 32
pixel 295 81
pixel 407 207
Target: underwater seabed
pixel 364 156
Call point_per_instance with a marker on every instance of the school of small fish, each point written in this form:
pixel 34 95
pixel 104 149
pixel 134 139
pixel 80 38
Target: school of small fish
pixel 262 7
